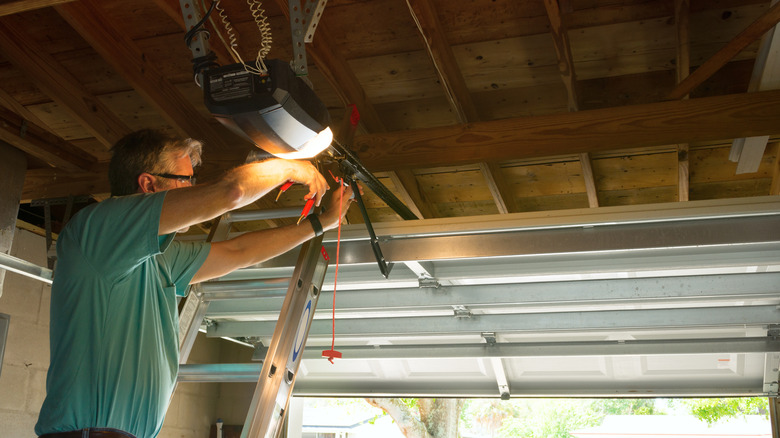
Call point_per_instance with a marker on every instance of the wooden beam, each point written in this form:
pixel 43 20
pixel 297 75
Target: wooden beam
pixel 775 187
pixel 682 22
pixel 497 186
pixel 56 183
pixel 336 70
pixel 444 62
pixel 749 152
pixel 755 30
pixel 11 104
pixel 656 124
pixel 560 35
pixel 54 80
pixel 403 194
pixel 590 181
pixel 87 18
pixel 18 6
pixel 421 206
pixel 683 174
pixel 40 143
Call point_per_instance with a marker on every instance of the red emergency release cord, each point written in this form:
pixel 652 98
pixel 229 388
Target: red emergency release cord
pixel 332 353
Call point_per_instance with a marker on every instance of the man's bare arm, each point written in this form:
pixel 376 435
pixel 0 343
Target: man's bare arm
pixel 258 246
pixel 243 185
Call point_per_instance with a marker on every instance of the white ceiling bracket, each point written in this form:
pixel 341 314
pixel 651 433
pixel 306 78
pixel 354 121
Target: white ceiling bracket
pixel 498 366
pixel 501 381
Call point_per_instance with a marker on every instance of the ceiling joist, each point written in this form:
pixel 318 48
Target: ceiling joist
pixel 654 124
pixel 87 18
pixel 756 29
pixel 55 80
pixel 15 7
pixel 42 144
pixel 444 62
pixel 336 70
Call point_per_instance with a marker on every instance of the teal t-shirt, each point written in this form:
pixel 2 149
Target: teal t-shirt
pixel 114 320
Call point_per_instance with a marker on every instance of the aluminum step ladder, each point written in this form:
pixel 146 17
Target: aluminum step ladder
pixel 280 366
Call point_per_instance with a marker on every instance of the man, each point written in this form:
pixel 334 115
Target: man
pixel 114 321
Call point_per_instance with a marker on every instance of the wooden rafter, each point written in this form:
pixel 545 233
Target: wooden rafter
pixel 683 173
pixel 655 124
pixel 560 35
pixel 8 102
pixel 491 172
pixel 87 18
pixel 755 30
pixel 336 70
pixel 590 181
pixel 60 85
pixel 452 81
pixel 403 194
pixel 444 62
pixel 56 183
pixel 749 152
pixel 15 7
pixel 682 22
pixel 775 187
pixel 42 144
pixel 420 205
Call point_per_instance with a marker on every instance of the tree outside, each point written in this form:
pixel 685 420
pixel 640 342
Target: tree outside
pixel 544 418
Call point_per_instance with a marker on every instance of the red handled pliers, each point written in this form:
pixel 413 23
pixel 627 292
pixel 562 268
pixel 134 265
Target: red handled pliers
pixel 306 208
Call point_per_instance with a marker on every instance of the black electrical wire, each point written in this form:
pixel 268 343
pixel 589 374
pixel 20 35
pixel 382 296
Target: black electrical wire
pixel 209 60
pixel 198 28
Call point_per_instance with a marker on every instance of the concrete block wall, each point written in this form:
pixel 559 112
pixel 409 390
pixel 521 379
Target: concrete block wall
pixel 26 361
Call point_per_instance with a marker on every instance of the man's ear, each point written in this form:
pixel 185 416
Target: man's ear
pixel 146 183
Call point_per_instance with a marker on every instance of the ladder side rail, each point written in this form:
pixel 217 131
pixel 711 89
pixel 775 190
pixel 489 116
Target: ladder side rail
pixel 280 367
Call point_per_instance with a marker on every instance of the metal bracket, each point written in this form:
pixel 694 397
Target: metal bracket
pixel 428 282
pixel 303 22
pixel 773 331
pixel 489 337
pixel 461 311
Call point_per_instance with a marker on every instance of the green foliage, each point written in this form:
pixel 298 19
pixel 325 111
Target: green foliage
pixel 713 410
pixel 546 418
pixel 551 419
pixel 411 403
pixel 627 406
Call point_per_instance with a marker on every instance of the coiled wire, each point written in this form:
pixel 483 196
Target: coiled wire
pixel 258 13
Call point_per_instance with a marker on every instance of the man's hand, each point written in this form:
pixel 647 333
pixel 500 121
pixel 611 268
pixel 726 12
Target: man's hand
pixel 304 172
pixel 330 218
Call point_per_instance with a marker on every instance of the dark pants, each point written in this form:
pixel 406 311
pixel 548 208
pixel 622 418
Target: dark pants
pixel 94 432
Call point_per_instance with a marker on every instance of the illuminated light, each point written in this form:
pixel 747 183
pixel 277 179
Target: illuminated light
pixel 312 147
pixel 277 112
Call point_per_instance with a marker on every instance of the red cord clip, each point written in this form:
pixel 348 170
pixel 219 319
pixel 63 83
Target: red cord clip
pixel 331 354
